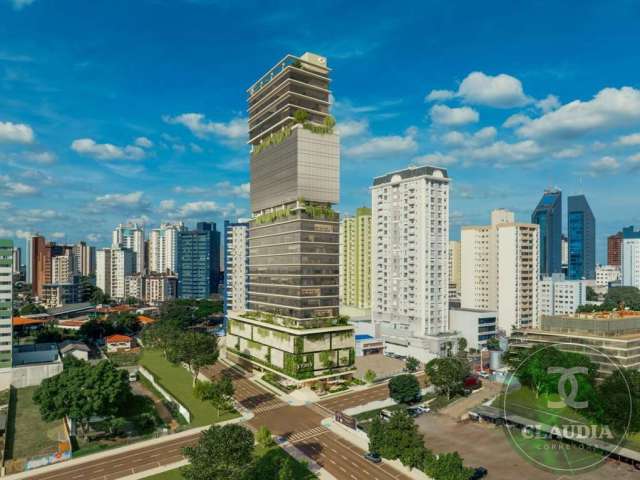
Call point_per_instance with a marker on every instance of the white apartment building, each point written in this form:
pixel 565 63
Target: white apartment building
pixel 131 236
pixel 355 260
pixel 103 270
pixel 6 311
pixel 475 326
pixel 500 270
pixel 123 264
pixel 606 274
pixel 455 270
pixel 134 286
pixel 236 266
pixel 84 259
pixel 558 296
pixel 631 262
pixel 163 248
pixel 160 288
pixel 410 261
pixel 63 268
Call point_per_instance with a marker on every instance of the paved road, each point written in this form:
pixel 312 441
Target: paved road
pixel 300 425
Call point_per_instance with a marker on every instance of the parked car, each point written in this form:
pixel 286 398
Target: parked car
pixel 479 473
pixel 472 382
pixel 133 376
pixel 372 457
pixel 484 374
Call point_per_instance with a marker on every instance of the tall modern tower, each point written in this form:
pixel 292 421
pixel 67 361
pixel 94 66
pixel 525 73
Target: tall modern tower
pixel 582 239
pixel 548 215
pixel 236 266
pixel 131 236
pixel 198 261
pixel 292 324
pixel 6 303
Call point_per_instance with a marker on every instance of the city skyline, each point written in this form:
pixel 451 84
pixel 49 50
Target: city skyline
pixel 65 141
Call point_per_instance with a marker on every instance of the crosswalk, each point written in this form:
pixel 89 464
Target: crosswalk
pixel 268 407
pixel 307 434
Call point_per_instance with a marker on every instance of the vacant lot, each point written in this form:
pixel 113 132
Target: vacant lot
pixel 179 383
pixel 28 435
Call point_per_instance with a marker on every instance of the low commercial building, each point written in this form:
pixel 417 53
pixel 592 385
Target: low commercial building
pixel 607 338
pixel 119 343
pixel 56 295
pixel 607 274
pixel 476 326
pixel 368 345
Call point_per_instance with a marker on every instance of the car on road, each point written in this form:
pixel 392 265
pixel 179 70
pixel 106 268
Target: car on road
pixel 417 411
pixel 372 457
pixel 479 473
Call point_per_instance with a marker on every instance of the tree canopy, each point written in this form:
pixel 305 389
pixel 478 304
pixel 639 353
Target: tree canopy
pixel 447 374
pixel 196 350
pixel 404 388
pixel 82 391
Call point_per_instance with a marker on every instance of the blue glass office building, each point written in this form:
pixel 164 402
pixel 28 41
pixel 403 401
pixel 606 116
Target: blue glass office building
pixel 581 227
pixel 548 215
pixel 199 261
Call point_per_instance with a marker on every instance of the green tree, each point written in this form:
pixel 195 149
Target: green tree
pixel 404 388
pixel 264 438
pixel 125 323
pixel 448 466
pixel 370 376
pixel 287 470
pixel 326 359
pixel 301 116
pixel 32 309
pixel 402 440
pixel 447 374
pixel 376 436
pixel 82 391
pixel 618 404
pixel 222 453
pixel 162 335
pixel 592 296
pixel 412 364
pixel 622 297
pixel 196 350
pixel 493 344
pixel 218 392
pixel 95 330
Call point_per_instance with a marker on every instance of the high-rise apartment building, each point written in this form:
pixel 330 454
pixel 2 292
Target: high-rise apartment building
pixel 500 269
pixel 85 259
pixel 410 260
pixel 163 248
pixel 6 303
pixel 159 288
pixel 123 264
pixel 548 217
pixel 455 269
pixel 103 270
pixel 292 325
pixel 559 296
pixel 63 268
pixel 582 239
pixel 614 249
pixel 131 236
pixel 236 266
pixel 631 260
pixel 17 260
pixel 355 260
pixel 199 261
pixel 37 261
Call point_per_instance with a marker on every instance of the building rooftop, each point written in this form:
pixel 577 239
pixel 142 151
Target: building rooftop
pixel 117 338
pixel 411 172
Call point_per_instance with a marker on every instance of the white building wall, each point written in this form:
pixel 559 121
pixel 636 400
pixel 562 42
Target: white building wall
pixel 122 265
pixel 131 237
pixel 103 270
pixel 558 296
pixel 606 274
pixel 631 262
pixel 236 268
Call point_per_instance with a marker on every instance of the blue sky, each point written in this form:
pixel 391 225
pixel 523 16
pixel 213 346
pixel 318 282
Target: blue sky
pixel 120 110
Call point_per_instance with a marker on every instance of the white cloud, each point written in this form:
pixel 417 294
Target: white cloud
pixel 571 152
pixel 605 165
pixel 633 162
pixel 435 159
pixel 551 102
pixel 43 158
pixel 515 120
pixel 133 199
pixel 195 148
pixel 198 208
pixel 16 133
pixel 94 237
pixel 439 95
pixel 11 188
pixel 454 138
pixel 444 115
pixel 485 134
pixel 610 108
pixel 106 151
pixel 352 128
pixel 143 142
pixel 190 190
pixel 227 188
pixel 23 234
pixel 20 4
pixel 459 139
pixel 629 140
pixel 57 235
pixel 386 145
pixel 5 233
pixel 167 205
pixel 234 130
pixel 500 91
pixel 503 153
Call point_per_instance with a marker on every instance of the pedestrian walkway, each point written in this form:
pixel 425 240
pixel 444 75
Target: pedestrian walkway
pixel 306 434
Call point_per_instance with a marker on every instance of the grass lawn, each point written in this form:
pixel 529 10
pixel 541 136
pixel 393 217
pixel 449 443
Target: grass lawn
pixel 179 383
pixel 28 435
pixel 268 460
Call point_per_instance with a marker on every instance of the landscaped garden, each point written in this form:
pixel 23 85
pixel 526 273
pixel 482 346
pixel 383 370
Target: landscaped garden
pixel 179 383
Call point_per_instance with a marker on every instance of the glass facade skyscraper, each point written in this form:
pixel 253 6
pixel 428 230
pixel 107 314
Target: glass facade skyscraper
pixel 548 215
pixel 581 227
pixel 199 261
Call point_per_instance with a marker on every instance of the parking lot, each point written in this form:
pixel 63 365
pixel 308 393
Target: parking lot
pixel 471 441
pixel 383 366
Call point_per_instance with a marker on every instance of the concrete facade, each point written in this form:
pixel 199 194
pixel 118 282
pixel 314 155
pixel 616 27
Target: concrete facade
pixel 475 326
pixel 355 260
pixel 559 296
